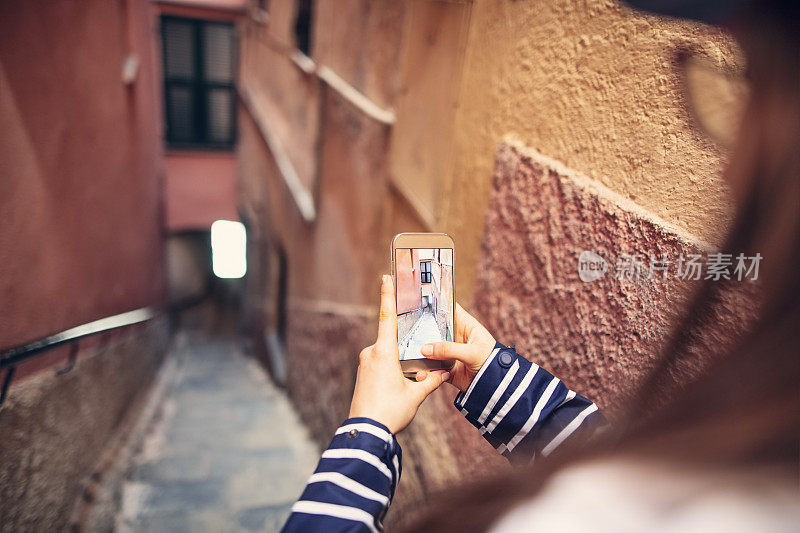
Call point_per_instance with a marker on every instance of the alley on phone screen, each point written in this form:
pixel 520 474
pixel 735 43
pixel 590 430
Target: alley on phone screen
pixel 425 330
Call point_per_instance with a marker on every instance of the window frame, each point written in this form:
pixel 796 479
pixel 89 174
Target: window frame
pixel 425 272
pixel 200 86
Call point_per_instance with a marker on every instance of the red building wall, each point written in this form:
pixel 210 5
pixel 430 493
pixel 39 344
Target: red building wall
pixel 407 278
pixel 81 222
pixel 200 188
pixel 80 188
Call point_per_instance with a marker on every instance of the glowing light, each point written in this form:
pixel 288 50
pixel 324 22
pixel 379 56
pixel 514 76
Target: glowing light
pixel 228 249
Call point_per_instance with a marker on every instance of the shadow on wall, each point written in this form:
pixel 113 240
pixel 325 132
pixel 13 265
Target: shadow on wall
pixel 190 278
pixel 265 296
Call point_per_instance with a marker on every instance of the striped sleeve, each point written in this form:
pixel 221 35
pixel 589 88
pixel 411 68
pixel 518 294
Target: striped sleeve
pixel 353 485
pixel 523 410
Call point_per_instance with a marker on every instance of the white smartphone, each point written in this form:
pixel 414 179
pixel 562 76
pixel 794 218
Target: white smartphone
pixel 424 283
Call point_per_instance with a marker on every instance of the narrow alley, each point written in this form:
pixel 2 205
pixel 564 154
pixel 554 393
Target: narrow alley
pixel 203 202
pixel 425 330
pixel 224 452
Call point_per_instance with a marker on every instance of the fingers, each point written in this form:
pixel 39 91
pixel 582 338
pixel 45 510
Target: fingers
pixel 466 353
pixel 465 322
pixel 462 315
pixel 430 383
pixel 387 318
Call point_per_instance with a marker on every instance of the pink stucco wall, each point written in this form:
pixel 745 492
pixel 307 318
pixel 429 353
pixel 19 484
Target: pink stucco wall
pixel 203 8
pixel 80 190
pixel 200 188
pixel 407 279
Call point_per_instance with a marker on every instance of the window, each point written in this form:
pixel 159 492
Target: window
pixel 425 271
pixel 199 97
pixel 302 26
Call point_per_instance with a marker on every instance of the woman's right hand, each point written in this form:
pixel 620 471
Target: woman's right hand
pixel 473 345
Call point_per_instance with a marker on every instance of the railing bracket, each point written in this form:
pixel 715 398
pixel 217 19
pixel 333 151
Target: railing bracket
pixel 73 357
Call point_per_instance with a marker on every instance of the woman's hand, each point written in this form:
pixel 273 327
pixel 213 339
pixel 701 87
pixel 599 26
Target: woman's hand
pixel 381 392
pixel 473 346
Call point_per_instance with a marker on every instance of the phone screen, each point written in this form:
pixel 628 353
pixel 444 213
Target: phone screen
pixel 425 306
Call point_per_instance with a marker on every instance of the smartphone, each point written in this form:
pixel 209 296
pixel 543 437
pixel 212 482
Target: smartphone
pixel 424 284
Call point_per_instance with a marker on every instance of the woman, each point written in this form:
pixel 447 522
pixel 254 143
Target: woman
pixel 718 450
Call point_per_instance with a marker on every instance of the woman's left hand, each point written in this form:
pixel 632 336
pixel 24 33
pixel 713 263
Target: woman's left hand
pixel 382 393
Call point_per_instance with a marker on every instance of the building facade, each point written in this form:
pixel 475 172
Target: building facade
pixel 81 239
pixel 101 169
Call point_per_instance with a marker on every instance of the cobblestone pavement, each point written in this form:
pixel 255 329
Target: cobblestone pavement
pixel 227 452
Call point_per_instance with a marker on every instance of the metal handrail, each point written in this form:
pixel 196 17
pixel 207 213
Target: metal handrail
pixel 11 357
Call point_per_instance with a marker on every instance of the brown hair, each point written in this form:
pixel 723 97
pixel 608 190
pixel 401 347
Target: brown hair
pixel 745 408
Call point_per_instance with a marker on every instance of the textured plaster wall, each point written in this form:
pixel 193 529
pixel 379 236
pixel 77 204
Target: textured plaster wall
pixel 54 429
pixel 433 45
pixel 288 95
pixel 358 39
pixel 335 259
pixel 599 336
pixel 593 85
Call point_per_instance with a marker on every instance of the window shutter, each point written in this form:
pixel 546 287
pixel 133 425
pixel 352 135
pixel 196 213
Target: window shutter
pixel 179 50
pixel 220 115
pixel 218 53
pixel 199 73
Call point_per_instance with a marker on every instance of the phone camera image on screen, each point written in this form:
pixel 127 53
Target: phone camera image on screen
pixel 424 278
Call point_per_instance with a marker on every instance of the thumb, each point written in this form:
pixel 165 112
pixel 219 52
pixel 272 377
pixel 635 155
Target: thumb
pixel 468 354
pixel 387 319
pixel 430 383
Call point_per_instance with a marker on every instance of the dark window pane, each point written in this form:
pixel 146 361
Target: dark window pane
pixel 220 119
pixel 179 49
pixel 425 271
pixel 218 53
pixel 181 120
pixel 302 26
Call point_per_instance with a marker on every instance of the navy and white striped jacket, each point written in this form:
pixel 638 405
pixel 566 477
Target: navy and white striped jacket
pixel 521 409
